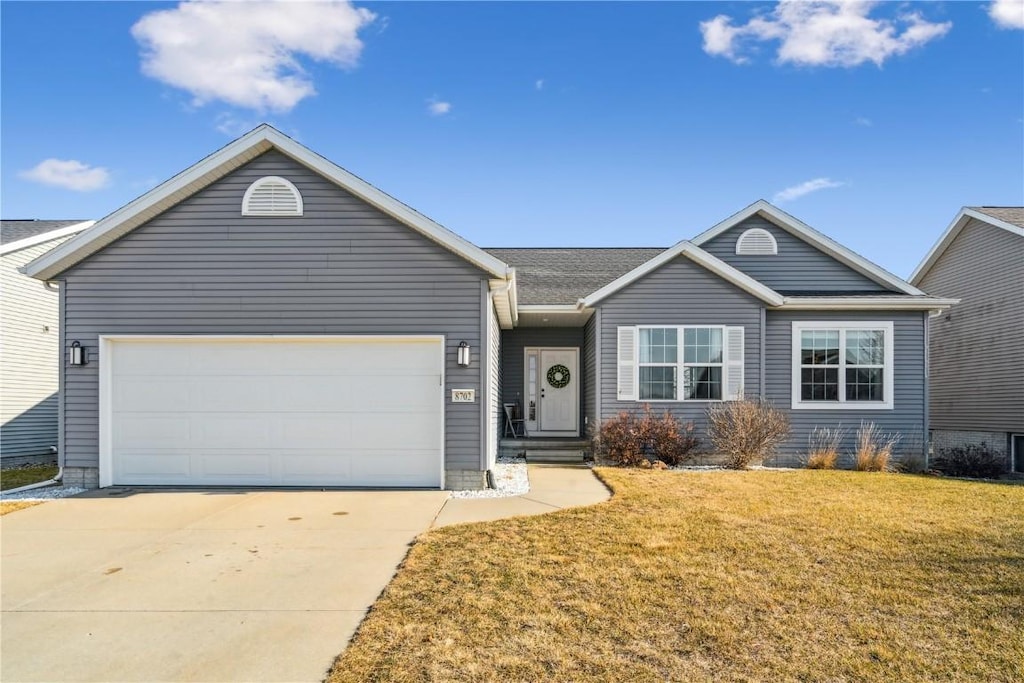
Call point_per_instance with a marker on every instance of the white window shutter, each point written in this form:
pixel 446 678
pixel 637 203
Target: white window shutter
pixel 733 363
pixel 627 355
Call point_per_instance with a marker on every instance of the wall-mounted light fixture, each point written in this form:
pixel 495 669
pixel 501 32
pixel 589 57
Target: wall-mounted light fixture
pixel 463 354
pixel 77 354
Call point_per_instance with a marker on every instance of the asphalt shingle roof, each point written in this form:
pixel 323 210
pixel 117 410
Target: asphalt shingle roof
pixel 562 276
pixel 12 231
pixel 1010 214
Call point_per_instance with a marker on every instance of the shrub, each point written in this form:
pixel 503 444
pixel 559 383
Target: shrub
pixel 823 448
pixel 746 431
pixel 913 458
pixel 976 460
pixel 631 440
pixel 874 448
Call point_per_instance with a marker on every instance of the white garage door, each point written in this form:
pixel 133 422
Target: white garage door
pixel 277 411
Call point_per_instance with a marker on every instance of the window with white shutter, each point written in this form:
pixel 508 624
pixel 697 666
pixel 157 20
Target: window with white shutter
pixel 756 242
pixel 272 196
pixel 680 363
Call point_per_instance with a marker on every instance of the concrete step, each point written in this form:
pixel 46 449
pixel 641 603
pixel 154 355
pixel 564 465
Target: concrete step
pixel 551 455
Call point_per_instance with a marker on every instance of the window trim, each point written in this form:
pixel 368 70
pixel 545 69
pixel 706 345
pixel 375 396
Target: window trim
pixel 844 326
pixel 680 365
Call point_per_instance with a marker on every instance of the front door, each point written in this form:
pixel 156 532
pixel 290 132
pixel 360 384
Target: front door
pixel 555 388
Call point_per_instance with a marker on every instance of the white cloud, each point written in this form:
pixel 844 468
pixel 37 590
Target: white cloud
pixel 247 53
pixel 539 84
pixel 864 121
pixel 1007 13
pixel 821 33
pixel 805 188
pixel 437 107
pixel 69 174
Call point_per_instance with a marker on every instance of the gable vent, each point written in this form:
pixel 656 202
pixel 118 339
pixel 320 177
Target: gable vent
pixel 272 196
pixel 756 242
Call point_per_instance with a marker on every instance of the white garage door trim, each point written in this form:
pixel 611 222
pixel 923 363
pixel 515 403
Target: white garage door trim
pixel 106 377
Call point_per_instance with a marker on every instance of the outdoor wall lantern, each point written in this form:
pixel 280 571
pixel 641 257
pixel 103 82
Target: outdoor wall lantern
pixel 78 356
pixel 463 354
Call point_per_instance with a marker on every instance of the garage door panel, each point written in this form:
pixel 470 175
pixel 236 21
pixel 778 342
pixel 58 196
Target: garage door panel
pixel 379 431
pixel 338 412
pixel 154 465
pixel 221 430
pixel 153 393
pixel 314 431
pixel 144 430
pixel 235 464
pixel 156 359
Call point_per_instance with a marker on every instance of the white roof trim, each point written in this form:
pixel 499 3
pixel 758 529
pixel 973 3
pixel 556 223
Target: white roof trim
pixel 45 237
pixel 805 232
pixel 866 303
pixel 951 233
pixel 218 164
pixel 698 256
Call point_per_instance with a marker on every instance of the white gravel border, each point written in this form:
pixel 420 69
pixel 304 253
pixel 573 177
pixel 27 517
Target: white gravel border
pixel 47 493
pixel 510 478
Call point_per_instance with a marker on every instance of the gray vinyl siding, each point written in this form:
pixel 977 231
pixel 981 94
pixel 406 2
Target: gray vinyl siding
pixel 342 268
pixel 513 344
pixel 977 347
pixel 797 267
pixel 30 343
pixel 678 293
pixel 588 367
pixel 907 417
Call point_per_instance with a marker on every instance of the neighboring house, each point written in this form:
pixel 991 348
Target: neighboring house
pixel 977 347
pixel 29 346
pixel 267 318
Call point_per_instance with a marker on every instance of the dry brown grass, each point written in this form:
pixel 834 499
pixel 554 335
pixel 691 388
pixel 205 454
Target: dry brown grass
pixel 7 506
pixel 874 448
pixel 823 448
pixel 23 476
pixel 741 576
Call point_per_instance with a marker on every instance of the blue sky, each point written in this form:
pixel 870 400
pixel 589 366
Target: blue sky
pixel 539 124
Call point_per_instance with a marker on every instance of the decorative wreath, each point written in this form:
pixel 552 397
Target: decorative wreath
pixel 558 376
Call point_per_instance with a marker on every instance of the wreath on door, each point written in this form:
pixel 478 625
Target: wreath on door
pixel 558 376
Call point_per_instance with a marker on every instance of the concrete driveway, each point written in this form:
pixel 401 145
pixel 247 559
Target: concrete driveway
pixel 197 586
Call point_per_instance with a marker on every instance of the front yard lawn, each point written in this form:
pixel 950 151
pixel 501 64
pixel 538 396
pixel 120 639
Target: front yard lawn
pixel 688 576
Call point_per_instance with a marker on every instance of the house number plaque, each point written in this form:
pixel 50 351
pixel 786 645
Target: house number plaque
pixel 463 395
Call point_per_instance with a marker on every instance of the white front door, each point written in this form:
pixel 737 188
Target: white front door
pixel 558 388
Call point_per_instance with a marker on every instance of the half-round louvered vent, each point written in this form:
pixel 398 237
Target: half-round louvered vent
pixel 756 242
pixel 272 196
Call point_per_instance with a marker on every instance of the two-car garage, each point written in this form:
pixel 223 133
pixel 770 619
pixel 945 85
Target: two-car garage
pixel 272 411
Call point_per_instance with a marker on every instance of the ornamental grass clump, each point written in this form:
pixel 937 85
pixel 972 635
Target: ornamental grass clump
pixel 874 448
pixel 632 440
pixel 823 447
pixel 746 431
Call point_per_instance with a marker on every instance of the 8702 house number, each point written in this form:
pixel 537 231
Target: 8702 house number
pixel 463 395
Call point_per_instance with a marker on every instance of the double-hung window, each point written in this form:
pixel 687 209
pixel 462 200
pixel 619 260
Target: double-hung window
pixel 845 365
pixel 680 363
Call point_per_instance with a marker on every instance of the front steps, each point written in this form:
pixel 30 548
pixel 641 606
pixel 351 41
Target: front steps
pixel 539 450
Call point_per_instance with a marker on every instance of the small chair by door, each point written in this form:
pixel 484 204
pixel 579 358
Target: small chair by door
pixel 514 422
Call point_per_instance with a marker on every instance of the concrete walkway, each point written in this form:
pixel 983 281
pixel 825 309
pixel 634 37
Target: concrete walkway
pixel 552 487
